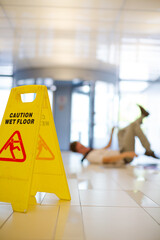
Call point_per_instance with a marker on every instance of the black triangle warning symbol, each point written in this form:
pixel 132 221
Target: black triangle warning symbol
pixel 44 152
pixel 13 149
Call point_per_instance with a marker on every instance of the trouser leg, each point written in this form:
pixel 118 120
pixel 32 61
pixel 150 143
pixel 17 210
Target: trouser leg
pixel 143 139
pixel 126 137
pixel 126 140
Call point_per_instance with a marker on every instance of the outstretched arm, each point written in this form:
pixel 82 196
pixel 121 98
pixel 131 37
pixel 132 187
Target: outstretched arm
pixel 110 140
pixel 116 158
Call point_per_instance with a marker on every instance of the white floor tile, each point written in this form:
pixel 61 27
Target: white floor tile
pixel 102 181
pixel 84 184
pixel 119 223
pixel 106 198
pixel 50 199
pixel 141 199
pixel 5 212
pixel 39 197
pixel 153 195
pixel 130 184
pixel 70 224
pixel 38 224
pixel 155 213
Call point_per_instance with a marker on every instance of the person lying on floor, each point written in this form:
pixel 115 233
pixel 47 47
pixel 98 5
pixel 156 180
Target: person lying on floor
pixel 126 140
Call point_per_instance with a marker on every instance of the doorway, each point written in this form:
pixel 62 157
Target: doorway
pixel 80 114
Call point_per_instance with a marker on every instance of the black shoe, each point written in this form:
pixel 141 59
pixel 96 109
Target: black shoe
pixel 127 160
pixel 151 154
pixel 143 111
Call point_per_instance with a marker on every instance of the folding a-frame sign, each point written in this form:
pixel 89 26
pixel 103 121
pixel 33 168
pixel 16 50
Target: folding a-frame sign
pixel 30 157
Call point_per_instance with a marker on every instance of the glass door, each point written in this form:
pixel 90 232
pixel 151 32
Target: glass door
pixel 80 115
pixel 103 113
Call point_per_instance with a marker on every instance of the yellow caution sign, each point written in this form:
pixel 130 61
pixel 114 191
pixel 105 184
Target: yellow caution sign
pixel 30 157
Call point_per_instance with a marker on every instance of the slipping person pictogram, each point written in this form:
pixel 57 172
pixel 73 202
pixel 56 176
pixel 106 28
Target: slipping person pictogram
pixel 13 145
pixel 44 152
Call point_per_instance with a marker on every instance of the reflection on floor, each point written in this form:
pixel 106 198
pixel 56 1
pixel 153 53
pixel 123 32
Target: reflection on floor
pixel 107 203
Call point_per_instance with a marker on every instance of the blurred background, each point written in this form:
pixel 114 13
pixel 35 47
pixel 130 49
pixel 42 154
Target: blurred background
pixel 98 59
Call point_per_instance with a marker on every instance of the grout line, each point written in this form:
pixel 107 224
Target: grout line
pixel 111 206
pixel 80 205
pixel 125 208
pixel 108 206
pixel 55 227
pixel 151 216
pixel 127 191
pixel 104 190
pixel 50 205
pixel 42 200
pixel 150 198
pixel 6 220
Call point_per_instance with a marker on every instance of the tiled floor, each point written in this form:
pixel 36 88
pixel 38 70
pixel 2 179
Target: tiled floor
pixel 108 203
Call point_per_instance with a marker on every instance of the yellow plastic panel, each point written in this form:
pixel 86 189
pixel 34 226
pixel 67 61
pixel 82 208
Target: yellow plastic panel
pixel 30 158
